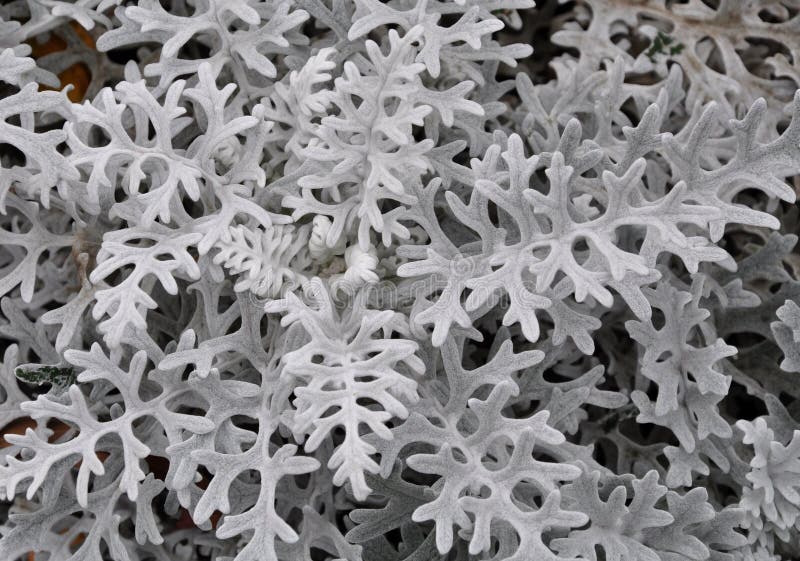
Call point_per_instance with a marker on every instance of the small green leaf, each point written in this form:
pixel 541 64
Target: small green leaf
pixel 54 375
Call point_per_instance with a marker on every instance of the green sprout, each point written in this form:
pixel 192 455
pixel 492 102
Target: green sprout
pixel 663 44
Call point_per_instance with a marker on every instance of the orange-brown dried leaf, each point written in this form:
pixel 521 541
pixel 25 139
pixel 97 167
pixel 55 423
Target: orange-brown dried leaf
pixel 78 75
pixel 16 427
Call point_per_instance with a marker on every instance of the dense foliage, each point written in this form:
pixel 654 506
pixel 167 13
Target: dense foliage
pixel 409 280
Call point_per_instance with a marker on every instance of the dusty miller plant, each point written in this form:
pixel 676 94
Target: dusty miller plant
pixel 294 280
